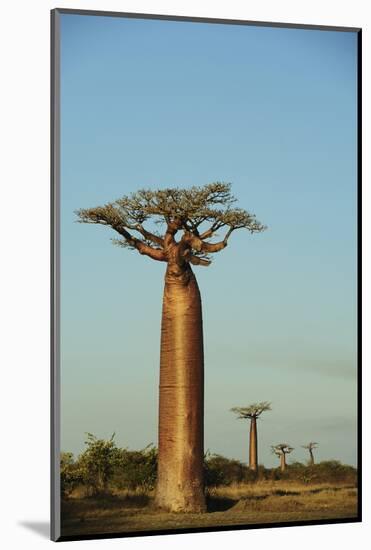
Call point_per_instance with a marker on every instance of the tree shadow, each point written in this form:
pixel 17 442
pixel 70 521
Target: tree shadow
pixel 42 528
pixel 219 504
pixel 82 507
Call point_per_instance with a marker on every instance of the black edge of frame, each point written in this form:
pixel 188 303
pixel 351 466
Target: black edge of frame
pixel 55 521
pixel 132 15
pixel 359 269
pixel 211 529
pixel 55 274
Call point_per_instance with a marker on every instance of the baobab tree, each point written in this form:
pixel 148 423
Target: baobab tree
pixel 252 413
pixel 310 446
pixel 281 450
pixel 190 219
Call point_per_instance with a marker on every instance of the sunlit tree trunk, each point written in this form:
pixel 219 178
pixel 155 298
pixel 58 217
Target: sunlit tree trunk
pixel 253 458
pixel 283 462
pixel 180 485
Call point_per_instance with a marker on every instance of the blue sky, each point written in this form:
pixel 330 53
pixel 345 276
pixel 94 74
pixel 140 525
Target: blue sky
pixel 165 104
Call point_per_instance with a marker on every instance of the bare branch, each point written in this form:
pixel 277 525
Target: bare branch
pixel 150 236
pixel 216 247
pixel 182 210
pixel 154 253
pixel 195 260
pixel 143 248
pixel 109 215
pixel 208 233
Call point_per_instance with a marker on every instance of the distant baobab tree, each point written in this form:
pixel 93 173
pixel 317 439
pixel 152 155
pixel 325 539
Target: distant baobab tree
pixel 191 217
pixel 310 446
pixel 281 450
pixel 252 413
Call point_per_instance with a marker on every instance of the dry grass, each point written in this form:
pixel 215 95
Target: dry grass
pixel 269 488
pixel 242 504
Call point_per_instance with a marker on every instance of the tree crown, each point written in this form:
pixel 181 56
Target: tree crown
pixel 282 449
pixel 199 212
pixel 311 445
pixel 252 411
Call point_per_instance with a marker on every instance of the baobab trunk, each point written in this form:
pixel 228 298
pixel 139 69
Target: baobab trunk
pixel 180 484
pixel 283 462
pixel 253 457
pixel 311 460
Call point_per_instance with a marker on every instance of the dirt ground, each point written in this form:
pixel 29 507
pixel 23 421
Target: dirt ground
pixel 265 502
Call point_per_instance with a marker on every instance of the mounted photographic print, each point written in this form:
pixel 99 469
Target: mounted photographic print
pixel 205 190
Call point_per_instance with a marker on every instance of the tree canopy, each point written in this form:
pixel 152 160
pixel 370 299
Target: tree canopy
pixel 198 212
pixel 311 445
pixel 282 449
pixel 252 411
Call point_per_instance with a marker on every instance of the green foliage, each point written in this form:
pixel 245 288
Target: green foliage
pixel 71 474
pixel 332 470
pixel 324 472
pixel 97 463
pixel 136 469
pixel 103 467
pixel 220 470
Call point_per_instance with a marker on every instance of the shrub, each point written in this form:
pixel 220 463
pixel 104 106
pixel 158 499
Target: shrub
pixel 71 474
pixel 332 471
pixel 220 470
pixel 136 469
pixel 103 466
pixel 97 463
pixel 329 471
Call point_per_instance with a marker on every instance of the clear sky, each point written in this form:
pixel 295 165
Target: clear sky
pixel 154 104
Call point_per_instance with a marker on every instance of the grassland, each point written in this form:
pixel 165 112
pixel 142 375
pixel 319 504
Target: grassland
pixel 237 504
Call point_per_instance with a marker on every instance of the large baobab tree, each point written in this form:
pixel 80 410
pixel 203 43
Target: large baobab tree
pixel 310 446
pixel 190 218
pixel 281 450
pixel 252 413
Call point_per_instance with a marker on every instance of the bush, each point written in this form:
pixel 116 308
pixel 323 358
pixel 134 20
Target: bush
pixel 332 471
pixel 223 471
pixel 103 467
pixel 97 463
pixel 329 471
pixel 136 469
pixel 71 474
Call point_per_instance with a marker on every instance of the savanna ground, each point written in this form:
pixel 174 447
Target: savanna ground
pixel 265 501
